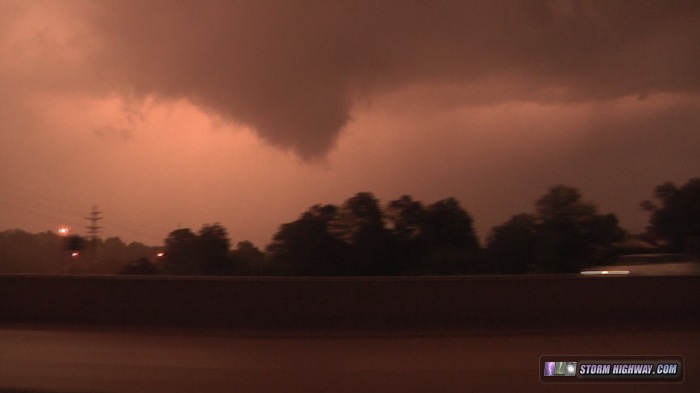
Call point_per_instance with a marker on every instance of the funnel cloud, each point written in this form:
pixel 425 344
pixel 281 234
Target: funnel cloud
pixel 171 114
pixel 293 71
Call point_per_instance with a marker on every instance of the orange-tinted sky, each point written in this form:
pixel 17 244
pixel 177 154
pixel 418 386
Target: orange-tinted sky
pixel 168 114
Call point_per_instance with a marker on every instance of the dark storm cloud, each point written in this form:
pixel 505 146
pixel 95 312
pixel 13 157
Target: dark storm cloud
pixel 292 70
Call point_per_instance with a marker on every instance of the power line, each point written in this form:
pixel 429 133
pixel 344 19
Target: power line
pixel 33 212
pixel 21 196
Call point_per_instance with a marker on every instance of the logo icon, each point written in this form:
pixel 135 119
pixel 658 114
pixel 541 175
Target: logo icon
pixel 548 369
pixel 570 369
pixel 560 368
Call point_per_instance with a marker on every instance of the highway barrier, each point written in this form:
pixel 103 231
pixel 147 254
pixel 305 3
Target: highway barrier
pixel 365 302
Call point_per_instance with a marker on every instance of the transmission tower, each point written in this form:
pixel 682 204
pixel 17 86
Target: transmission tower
pixel 94 217
pixel 93 231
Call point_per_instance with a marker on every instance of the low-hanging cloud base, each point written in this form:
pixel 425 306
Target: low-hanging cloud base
pixel 154 108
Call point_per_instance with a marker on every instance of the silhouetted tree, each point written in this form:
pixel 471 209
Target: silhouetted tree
pixel 248 259
pixel 212 251
pixel 360 225
pixel 112 254
pixel 180 253
pixel 359 238
pixel 563 204
pixel 447 224
pixel 571 234
pixel 676 214
pixel 437 239
pixel 358 218
pixel 447 239
pixel 512 246
pixel 306 246
pixel 49 253
pixel 205 253
pixel 405 219
pixel 564 235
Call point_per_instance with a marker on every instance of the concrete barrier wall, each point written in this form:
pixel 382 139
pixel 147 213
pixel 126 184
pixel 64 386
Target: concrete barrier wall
pixel 346 302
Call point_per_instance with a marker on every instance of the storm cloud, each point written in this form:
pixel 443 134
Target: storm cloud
pixel 293 71
pixel 248 112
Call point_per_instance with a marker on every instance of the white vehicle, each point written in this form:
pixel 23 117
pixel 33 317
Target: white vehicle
pixel 649 265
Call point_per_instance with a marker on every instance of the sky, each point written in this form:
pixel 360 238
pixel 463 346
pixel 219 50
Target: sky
pixel 171 114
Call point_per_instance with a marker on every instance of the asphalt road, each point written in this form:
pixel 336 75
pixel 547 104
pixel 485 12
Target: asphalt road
pixel 102 359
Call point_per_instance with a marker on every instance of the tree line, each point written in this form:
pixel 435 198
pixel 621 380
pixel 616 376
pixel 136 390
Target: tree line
pixel 362 237
pixel 50 253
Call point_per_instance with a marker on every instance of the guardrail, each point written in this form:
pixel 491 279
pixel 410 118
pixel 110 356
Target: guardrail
pixel 401 302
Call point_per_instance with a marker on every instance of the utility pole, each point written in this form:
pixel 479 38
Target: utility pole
pixel 93 230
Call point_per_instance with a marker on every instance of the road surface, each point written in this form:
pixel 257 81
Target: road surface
pixel 41 358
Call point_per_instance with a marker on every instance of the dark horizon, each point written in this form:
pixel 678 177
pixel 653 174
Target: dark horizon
pixel 404 237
